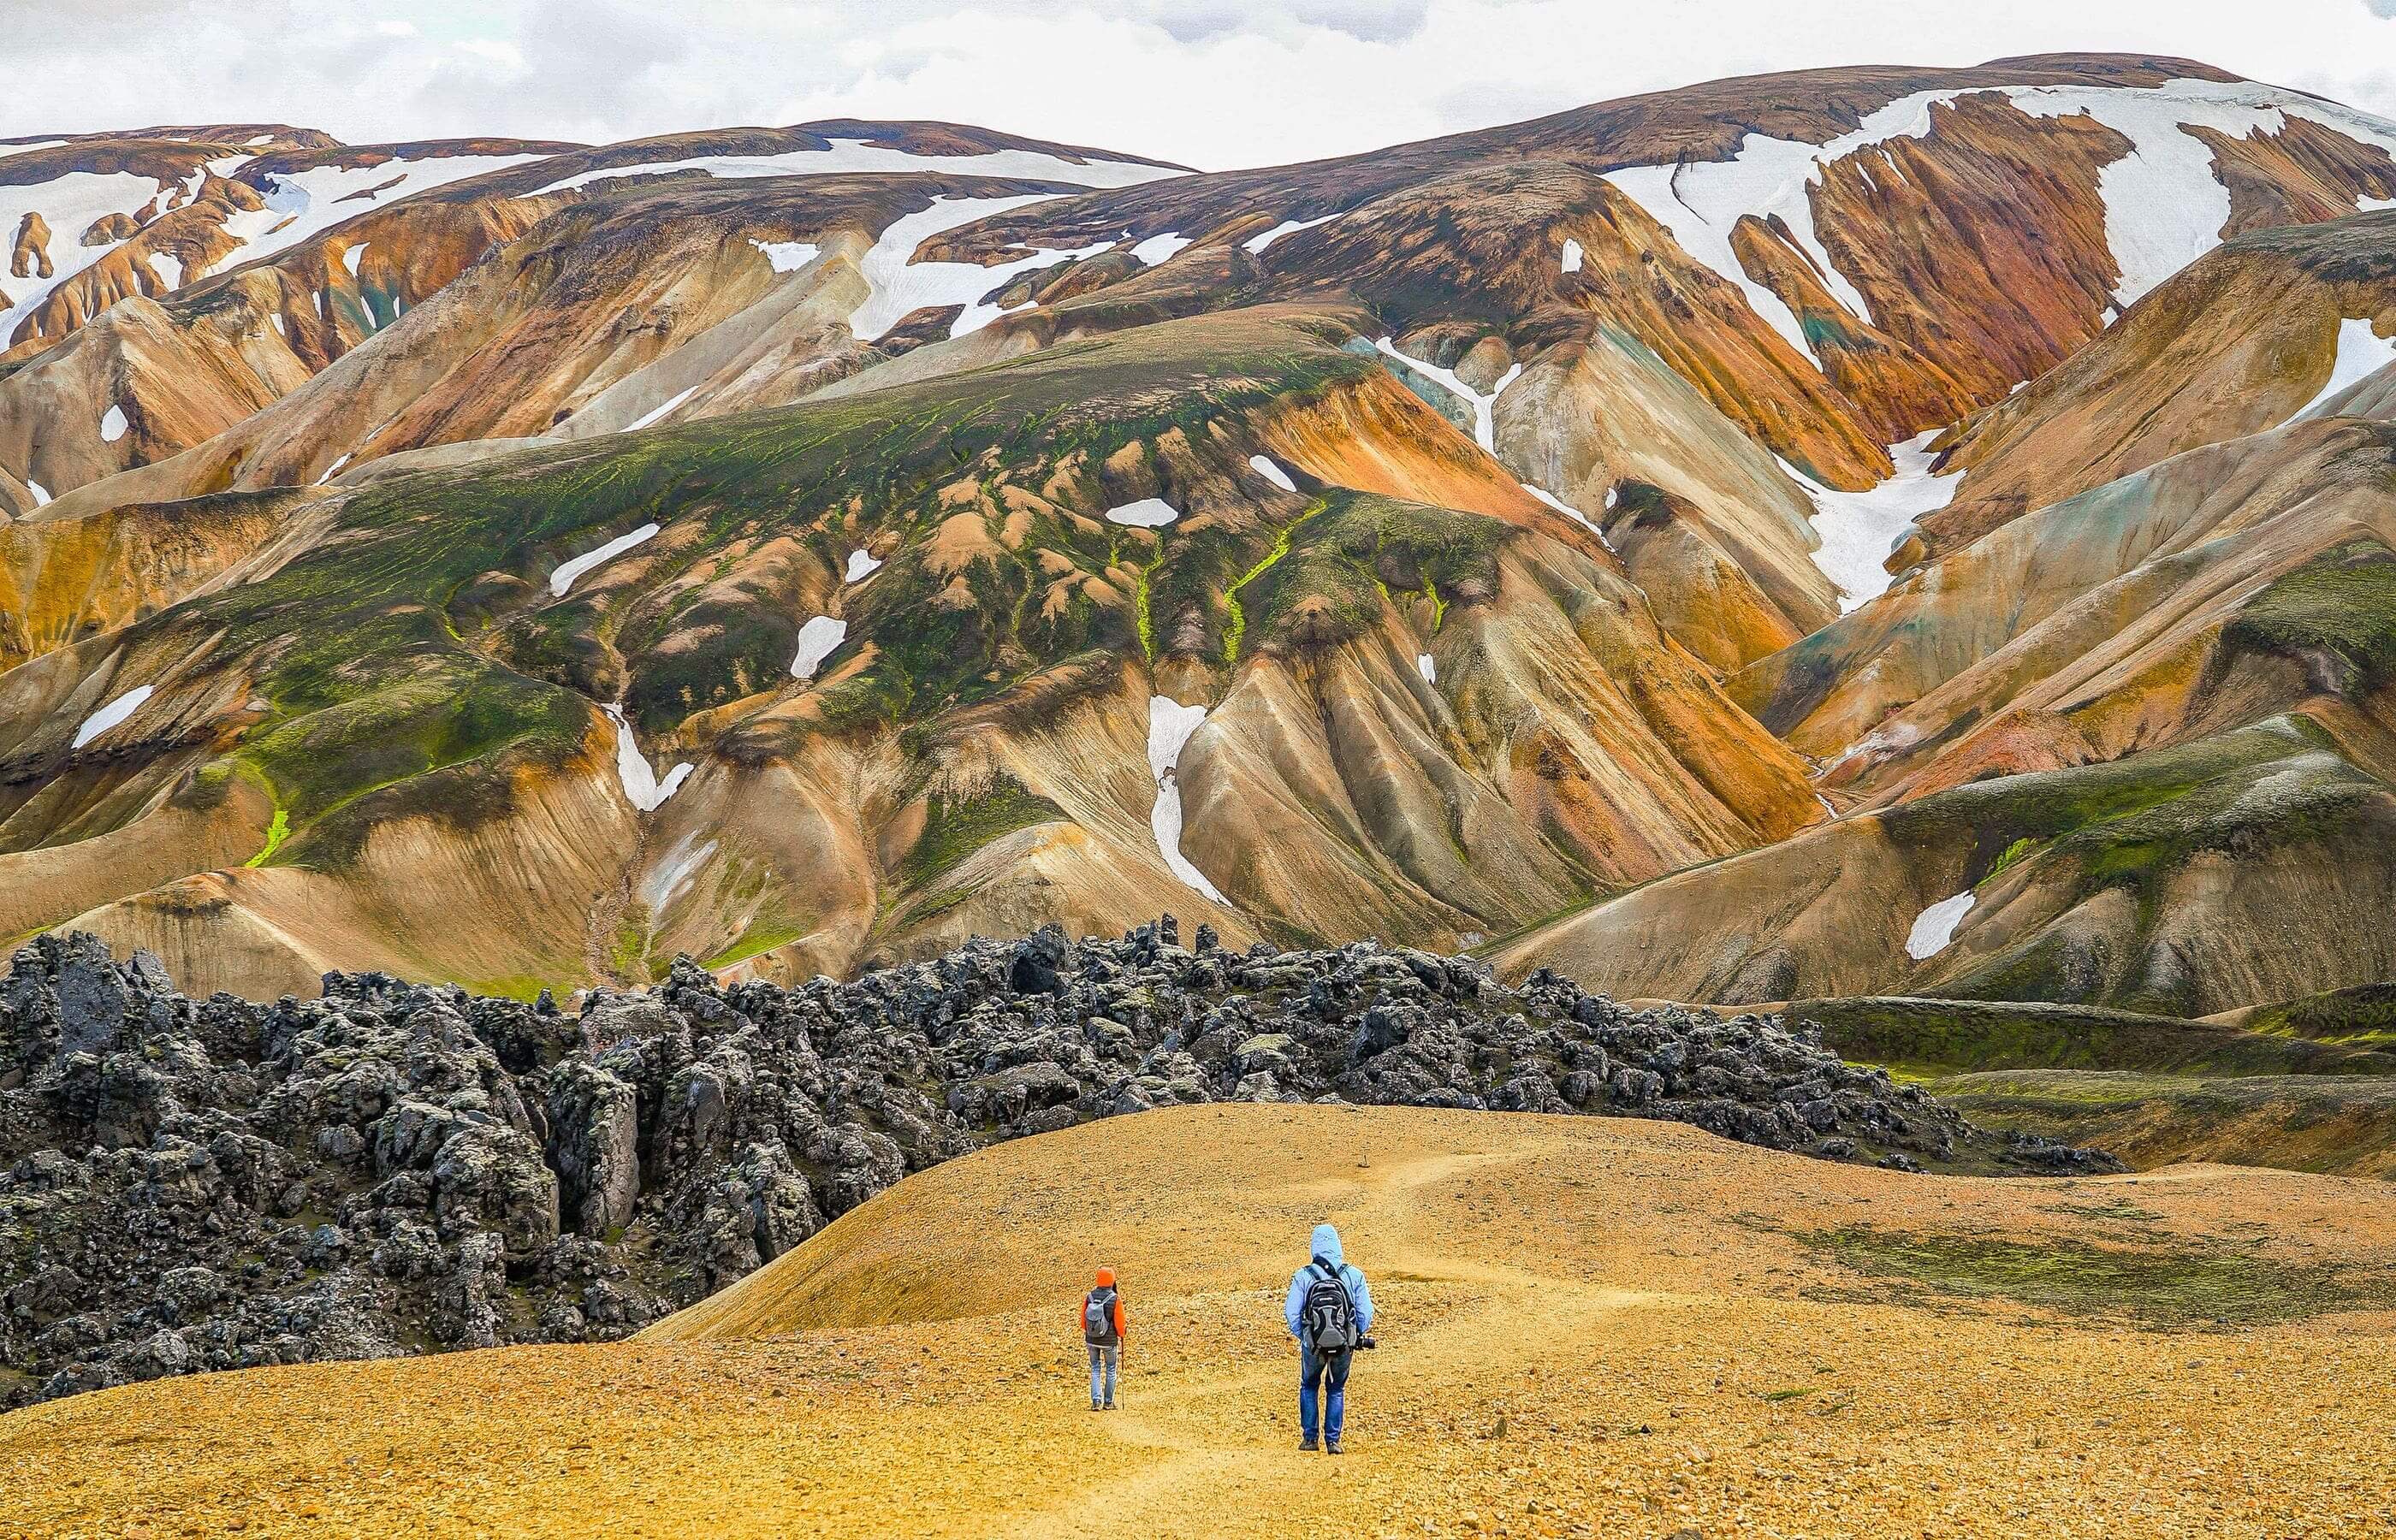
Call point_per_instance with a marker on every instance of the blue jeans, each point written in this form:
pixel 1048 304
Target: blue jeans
pixel 1311 1372
pixel 1103 1356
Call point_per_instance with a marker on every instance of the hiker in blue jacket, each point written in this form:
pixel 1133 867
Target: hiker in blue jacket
pixel 1329 1309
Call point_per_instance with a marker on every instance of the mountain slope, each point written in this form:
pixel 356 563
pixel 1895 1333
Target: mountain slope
pixel 805 546
pixel 965 720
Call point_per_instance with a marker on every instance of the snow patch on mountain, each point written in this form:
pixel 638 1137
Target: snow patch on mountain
pixel 899 285
pixel 642 787
pixel 2361 353
pixel 563 578
pixel 1935 926
pixel 657 412
pixel 1256 244
pixel 303 205
pixel 112 424
pixel 1701 201
pixel 1160 248
pixel 111 714
pixel 786 255
pixel 69 204
pixel 848 156
pixel 1859 529
pixel 818 640
pixel 1572 254
pixel 1429 670
pixel 1484 407
pixel 1169 727
pixel 862 566
pixel 41 494
pixel 169 270
pixel 333 469
pixel 1147 513
pixel 1569 512
pixel 2163 205
pixel 1263 465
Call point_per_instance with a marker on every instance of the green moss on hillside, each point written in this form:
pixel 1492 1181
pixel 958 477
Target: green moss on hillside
pixel 371 685
pixel 1926 1038
pixel 2340 607
pixel 2156 1287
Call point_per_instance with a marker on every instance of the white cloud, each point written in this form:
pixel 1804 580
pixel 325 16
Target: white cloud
pixel 496 50
pixel 1214 83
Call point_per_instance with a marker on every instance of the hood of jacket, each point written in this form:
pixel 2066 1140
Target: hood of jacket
pixel 1326 1245
pixel 1106 1278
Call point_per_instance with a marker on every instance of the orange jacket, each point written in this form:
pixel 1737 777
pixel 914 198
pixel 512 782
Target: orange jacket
pixel 1122 1321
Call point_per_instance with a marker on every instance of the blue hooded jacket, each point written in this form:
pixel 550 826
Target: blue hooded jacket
pixel 1326 1246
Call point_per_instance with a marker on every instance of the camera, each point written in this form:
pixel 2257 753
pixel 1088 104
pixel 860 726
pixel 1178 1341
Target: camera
pixel 1366 1342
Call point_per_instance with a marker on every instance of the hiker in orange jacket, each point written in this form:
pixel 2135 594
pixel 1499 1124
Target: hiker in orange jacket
pixel 1102 1328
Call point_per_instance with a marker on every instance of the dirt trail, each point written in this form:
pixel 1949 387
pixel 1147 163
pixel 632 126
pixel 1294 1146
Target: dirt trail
pixel 1591 1327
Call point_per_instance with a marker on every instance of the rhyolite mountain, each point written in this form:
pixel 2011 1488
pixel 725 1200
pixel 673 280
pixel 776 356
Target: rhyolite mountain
pixel 1876 531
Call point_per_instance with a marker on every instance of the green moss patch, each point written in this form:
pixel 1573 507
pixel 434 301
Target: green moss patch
pixel 2338 608
pixel 1924 1039
pixel 960 826
pixel 2154 1287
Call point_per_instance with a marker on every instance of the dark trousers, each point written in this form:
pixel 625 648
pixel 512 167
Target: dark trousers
pixel 1322 1373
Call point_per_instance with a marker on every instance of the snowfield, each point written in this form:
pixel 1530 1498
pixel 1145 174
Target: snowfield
pixel 1256 243
pixel 1859 529
pixel 111 714
pixel 899 285
pixel 112 424
pixel 657 412
pixel 642 787
pixel 847 156
pixel 1170 724
pixel 1160 248
pixel 563 578
pixel 68 205
pixel 818 639
pixel 1147 513
pixel 1264 466
pixel 786 255
pixel 1484 407
pixel 862 566
pixel 1935 926
pixel 2361 353
pixel 2163 205
pixel 303 205
pixel 1569 512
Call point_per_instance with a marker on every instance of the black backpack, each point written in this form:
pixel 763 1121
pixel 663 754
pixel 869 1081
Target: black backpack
pixel 1328 1316
pixel 1099 1318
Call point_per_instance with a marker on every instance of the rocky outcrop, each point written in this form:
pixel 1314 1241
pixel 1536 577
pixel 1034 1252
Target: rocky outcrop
pixel 29 256
pixel 190 1185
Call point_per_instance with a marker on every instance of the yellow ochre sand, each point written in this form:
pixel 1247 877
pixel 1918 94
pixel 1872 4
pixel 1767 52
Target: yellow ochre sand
pixel 1592 1327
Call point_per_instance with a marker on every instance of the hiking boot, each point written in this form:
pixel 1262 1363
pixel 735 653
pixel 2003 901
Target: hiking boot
pixel 1331 1446
pixel 1306 1446
pixel 1110 1406
pixel 1095 1407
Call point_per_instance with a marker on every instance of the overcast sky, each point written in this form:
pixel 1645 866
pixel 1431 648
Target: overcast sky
pixel 1210 83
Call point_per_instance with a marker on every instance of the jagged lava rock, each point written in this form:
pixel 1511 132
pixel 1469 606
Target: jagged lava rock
pixel 394 1168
